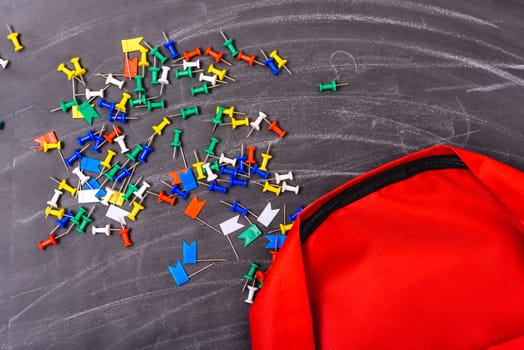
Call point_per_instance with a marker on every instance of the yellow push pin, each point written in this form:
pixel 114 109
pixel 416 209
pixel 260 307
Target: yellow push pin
pixel 121 106
pixel 13 37
pixel 70 74
pixel 271 188
pixel 79 70
pixel 58 213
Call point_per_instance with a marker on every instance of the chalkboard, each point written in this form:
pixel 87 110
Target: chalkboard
pixel 420 73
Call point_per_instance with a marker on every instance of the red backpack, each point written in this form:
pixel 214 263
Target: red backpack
pixel 425 252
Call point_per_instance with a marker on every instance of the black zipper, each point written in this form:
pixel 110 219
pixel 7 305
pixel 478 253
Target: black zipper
pixel 374 183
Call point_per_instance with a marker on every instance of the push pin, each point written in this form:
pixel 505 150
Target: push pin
pixel 217 56
pixel 293 217
pixel 113 81
pixel 106 230
pixel 55 145
pixel 83 178
pixel 186 112
pixel 235 123
pixel 211 176
pixel 220 73
pixel 65 106
pixel 188 55
pixel 139 85
pixel 267 187
pixel 3 62
pixel 124 233
pixel 177 134
pixel 163 78
pixel 109 137
pixel 212 79
pixel 158 129
pixel 270 63
pixel 279 61
pixel 250 275
pixel 79 70
pixel 228 43
pixel 121 106
pixel 53 202
pixel 199 167
pixel 58 213
pixel 288 188
pixel 256 124
pixel 63 185
pixel 333 85
pixel 190 64
pixel 204 89
pixel 273 126
pixel 188 72
pixel 225 160
pixel 236 207
pixel 266 157
pixel 77 155
pixel 155 52
pixel 282 177
pixel 69 73
pixel 251 294
pixel 154 75
pixel 131 188
pixel 120 140
pixel 256 170
pixel 155 105
pixel 13 37
pixel 214 187
pixel 163 197
pixel 170 46
pixel 140 194
pixel 249 59
pixel 250 155
pixel 175 189
pixel 210 150
pixel 137 208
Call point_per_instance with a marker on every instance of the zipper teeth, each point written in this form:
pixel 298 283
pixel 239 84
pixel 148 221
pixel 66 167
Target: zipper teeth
pixel 375 183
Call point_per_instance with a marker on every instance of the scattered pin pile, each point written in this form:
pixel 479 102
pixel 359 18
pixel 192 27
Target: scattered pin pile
pixel 105 177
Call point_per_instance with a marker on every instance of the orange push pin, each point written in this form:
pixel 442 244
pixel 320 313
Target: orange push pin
pixel 13 37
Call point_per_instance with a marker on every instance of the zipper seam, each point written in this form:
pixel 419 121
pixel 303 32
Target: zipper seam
pixel 375 183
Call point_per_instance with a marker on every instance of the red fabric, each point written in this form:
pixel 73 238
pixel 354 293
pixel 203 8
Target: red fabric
pixel 432 262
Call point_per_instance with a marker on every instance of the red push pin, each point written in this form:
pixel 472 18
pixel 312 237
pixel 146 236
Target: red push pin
pixel 50 241
pixel 273 126
pixel 124 233
pixel 111 136
pixel 162 197
pixel 249 59
pixel 218 56
pixel 188 55
pixel 251 155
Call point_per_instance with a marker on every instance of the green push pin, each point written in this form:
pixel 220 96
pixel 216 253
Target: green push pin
pixel 177 133
pixel 138 102
pixel 132 156
pixel 215 166
pixel 1 124
pixel 155 105
pixel 65 106
pixel 228 43
pixel 76 219
pixel 250 234
pixel 210 150
pixel 250 275
pixel 188 72
pixel 129 192
pixel 331 86
pixel 86 220
pixel 156 53
pixel 199 90
pixel 189 111
pixel 110 175
pixel 139 84
pixel 154 75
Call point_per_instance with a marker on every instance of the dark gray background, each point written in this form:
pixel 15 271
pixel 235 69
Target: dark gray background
pixel 420 72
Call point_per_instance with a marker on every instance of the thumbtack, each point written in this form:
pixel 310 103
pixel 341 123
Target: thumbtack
pixel 250 275
pixel 124 233
pixel 225 160
pixel 111 173
pixel 50 241
pixel 142 158
pixel 163 78
pixel 270 63
pixel 63 222
pixel 251 155
pixel 162 197
pixel 3 62
pixel 154 75
pixel 279 60
pixel 333 85
pixel 293 217
pixel 228 43
pixel 283 177
pixel 142 190
pixel 134 154
pixel 277 129
pixel 175 189
pixel 13 37
pixel 85 220
pixel 188 55
pixel 235 123
pixel 137 207
pixel 79 70
pixel 154 105
pixel 155 52
pixel 65 106
pixel 69 73
pixel 188 72
pixel 63 185
pixel 199 167
pixel 210 150
pixel 124 173
pixel 121 106
pixel 176 143
pixel 210 175
pixel 186 112
pixel 256 124
pixel 220 73
pixel 113 81
pixel 91 94
pixel 74 157
pixel 265 159
pixel 109 137
pixel 249 59
pixel 218 57
pixel 285 228
pixel 238 208
pixel 58 213
pixel 288 188
pixel 109 193
pixel 81 176
pixel 106 230
pixel 120 140
pixel 158 129
pixel 271 188
pixel 191 64
pixel 170 46
pixel 213 186
pixel 212 79
pixel 107 105
pixel 256 170
pixel 53 202
pixel 131 188
pixel 237 182
pixel 251 294
pixel 139 102
pixel 204 89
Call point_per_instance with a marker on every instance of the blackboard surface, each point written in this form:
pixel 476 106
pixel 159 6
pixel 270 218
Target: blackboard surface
pixel 420 72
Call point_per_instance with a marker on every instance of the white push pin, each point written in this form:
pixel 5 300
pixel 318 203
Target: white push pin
pixel 120 140
pixel 142 190
pixel 94 93
pixel 106 230
pixel 255 125
pixel 163 77
pixel 225 160
pixel 3 62
pixel 109 193
pixel 192 64
pixel 286 187
pixel 211 176
pixel 212 79
pixel 279 178
pixel 81 176
pixel 251 294
pixel 111 80
pixel 54 201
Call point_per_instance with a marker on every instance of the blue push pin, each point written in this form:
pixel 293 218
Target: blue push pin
pixel 178 191
pixel 262 174
pixel 119 117
pixel 293 217
pixel 86 138
pixel 214 187
pixel 226 171
pixel 74 157
pixel 270 62
pixel 170 46
pixel 241 167
pixel 98 144
pixel 63 222
pixel 124 172
pixel 237 182
pixel 142 158
pixel 236 207
pixel 107 105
